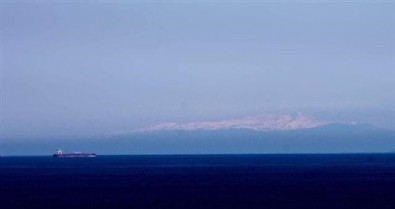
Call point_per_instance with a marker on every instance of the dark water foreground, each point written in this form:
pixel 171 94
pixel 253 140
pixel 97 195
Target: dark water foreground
pixel 199 181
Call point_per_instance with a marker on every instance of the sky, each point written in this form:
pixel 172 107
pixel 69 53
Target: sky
pixel 73 68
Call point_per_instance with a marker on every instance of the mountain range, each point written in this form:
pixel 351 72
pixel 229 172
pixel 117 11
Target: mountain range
pixel 264 122
pixel 297 134
pixel 265 134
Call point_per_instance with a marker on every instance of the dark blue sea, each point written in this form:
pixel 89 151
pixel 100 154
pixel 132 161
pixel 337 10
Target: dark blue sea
pixel 199 181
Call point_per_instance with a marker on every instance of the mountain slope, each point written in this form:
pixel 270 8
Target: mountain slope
pixel 264 122
pixel 331 138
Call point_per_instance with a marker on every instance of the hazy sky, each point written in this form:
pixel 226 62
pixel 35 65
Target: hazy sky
pixel 71 69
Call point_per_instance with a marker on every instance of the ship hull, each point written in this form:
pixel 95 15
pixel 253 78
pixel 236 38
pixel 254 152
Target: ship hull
pixel 72 155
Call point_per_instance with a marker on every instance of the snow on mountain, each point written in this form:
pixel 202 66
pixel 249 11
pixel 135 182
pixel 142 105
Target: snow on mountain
pixel 265 122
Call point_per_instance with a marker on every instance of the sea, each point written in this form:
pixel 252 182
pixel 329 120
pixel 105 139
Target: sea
pixel 267 181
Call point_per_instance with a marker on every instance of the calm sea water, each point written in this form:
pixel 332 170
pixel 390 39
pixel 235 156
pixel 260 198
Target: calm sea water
pixel 199 181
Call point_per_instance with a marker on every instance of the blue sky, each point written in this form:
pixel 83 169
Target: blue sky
pixel 83 69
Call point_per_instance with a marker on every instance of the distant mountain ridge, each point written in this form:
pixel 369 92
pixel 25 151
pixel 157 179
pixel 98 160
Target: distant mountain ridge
pixel 264 122
pixel 326 138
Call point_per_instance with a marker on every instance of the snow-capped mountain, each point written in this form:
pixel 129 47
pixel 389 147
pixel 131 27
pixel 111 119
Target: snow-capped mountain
pixel 265 122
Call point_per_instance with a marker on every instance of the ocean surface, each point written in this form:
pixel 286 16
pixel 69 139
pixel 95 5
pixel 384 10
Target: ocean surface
pixel 199 181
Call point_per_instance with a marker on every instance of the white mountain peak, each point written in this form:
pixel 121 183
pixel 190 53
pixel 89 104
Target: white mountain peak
pixel 264 122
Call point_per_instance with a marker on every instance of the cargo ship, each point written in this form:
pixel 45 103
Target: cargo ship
pixel 59 153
